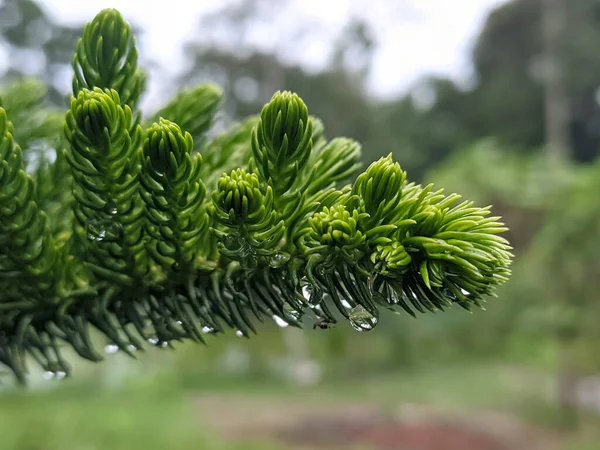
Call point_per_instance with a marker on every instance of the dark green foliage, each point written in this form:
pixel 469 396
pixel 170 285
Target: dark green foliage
pixel 508 57
pixel 29 34
pixel 27 246
pixel 170 239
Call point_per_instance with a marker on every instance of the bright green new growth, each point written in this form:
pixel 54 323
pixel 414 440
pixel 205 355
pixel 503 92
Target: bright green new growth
pixel 193 109
pixel 106 57
pixel 174 193
pixel 250 228
pixel 104 138
pixel 282 141
pixel 171 234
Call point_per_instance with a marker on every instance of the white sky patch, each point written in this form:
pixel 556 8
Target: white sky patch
pixel 432 36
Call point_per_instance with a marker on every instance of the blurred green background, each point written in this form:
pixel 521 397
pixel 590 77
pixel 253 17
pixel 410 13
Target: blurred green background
pixel 521 133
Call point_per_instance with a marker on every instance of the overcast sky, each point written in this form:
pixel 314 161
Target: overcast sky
pixel 431 36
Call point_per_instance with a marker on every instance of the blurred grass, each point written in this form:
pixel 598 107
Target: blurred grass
pixel 155 412
pixel 460 386
pixel 87 419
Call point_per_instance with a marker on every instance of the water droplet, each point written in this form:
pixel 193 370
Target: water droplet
pixel 313 294
pixel 464 291
pixel 153 340
pixel 316 308
pixel 291 312
pixel 179 322
pixel 306 292
pixel 131 348
pixel 345 304
pixel 163 344
pixel 111 348
pixel 278 260
pixel 362 320
pixel 94 233
pixel 280 322
pixel 104 230
pixel 60 375
pixel 321 270
pixel 48 375
pixel 207 329
pixel 110 208
pixel 394 297
pixel 239 333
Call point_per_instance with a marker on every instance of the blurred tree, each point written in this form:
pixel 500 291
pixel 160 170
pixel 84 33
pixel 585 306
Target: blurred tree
pixel 37 46
pixel 551 302
pixel 509 98
pixel 224 53
pixel 512 71
pixel 424 127
pixel 337 98
pixel 353 49
pixel 564 256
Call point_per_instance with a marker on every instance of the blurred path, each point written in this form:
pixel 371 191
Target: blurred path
pixel 304 426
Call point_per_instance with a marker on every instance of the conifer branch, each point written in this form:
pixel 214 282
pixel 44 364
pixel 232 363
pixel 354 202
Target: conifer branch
pixel 172 235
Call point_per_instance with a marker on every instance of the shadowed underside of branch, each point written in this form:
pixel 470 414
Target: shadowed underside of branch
pixel 167 236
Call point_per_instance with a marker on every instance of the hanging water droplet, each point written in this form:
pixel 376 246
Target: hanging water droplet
pixel 278 260
pixel 104 230
pixel 394 298
pixel 179 322
pixel 362 320
pixel 345 304
pixel 207 329
pixel 111 348
pixel 48 375
pixel 313 294
pixel 131 348
pixel 110 208
pixel 280 322
pixel 163 344
pixel 306 292
pixel 464 291
pixel 316 308
pixel 239 333
pixel 153 340
pixel 94 231
pixel 291 312
pixel 60 375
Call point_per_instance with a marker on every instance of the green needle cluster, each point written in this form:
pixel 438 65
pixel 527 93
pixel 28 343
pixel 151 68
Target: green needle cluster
pixel 152 231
